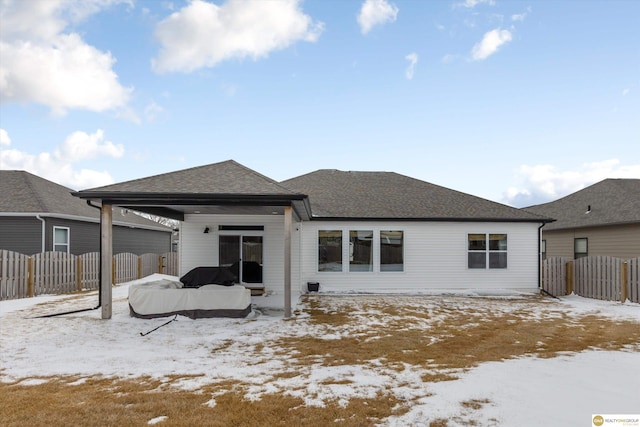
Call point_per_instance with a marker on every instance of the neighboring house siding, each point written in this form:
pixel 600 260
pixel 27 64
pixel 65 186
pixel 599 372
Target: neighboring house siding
pixel 140 241
pixel 198 249
pixel 622 241
pixel 435 257
pixel 83 236
pixel 21 234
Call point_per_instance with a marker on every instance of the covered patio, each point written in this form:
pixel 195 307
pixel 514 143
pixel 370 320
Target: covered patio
pixel 220 189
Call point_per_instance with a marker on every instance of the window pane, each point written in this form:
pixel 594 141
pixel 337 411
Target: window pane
pixel 60 248
pixel 497 260
pixel 60 236
pixel 329 250
pixel 580 246
pixel 391 251
pixel 497 242
pixel 360 250
pixel 477 260
pixel 477 242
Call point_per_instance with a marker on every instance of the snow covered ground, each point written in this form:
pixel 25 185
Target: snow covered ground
pixel 560 391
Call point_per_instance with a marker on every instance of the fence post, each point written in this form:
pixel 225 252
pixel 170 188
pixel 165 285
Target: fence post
pixel 625 282
pixel 160 264
pixel 79 274
pixel 113 270
pixel 30 278
pixel 569 287
pixel 139 267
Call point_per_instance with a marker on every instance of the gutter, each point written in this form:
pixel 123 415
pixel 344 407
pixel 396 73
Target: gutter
pixel 99 277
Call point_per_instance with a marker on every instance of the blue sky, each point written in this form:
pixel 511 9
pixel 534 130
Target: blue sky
pixel 520 102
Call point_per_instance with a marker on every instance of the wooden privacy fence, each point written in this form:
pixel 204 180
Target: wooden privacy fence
pixel 599 277
pixel 23 276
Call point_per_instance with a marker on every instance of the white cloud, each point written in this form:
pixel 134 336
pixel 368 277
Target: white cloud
pixel 42 64
pixel 203 34
pixel 544 183
pixel 470 4
pixel 4 138
pixel 491 42
pixel 152 111
pixel 376 12
pixel 413 60
pixel 59 166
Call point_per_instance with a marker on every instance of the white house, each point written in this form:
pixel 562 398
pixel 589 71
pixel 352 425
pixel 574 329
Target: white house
pixel 345 231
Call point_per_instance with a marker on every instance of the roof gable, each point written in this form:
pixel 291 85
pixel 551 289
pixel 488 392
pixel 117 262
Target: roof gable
pixel 228 177
pixel 388 195
pixel 608 202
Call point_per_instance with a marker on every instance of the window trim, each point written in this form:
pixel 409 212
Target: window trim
pixel 576 254
pixel 335 230
pixel 488 251
pixel 371 249
pixel 67 244
pixel 380 251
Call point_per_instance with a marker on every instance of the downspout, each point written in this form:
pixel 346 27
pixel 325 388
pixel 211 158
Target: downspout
pixel 540 255
pixel 44 232
pixel 99 278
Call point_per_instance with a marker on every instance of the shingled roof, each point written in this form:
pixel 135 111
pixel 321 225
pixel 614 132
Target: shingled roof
pixel 608 202
pixel 23 192
pixel 228 177
pixel 335 194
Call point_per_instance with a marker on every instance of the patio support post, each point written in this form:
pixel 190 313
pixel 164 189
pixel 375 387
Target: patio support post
pixel 106 254
pixel 288 221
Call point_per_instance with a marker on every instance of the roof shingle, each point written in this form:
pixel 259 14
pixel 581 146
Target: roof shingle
pixel 388 195
pixel 608 202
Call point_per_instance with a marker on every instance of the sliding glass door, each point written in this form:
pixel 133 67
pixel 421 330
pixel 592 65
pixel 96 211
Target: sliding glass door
pixel 243 256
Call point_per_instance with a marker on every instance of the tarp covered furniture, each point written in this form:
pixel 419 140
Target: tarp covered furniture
pixel 165 297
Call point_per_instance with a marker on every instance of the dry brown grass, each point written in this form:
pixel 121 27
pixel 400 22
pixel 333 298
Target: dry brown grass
pixel 442 339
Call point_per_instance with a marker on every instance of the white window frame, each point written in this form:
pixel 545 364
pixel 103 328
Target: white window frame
pixel 68 242
pixel 487 251
pixel 379 241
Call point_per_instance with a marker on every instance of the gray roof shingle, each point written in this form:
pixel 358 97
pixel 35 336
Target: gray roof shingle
pixel 23 192
pixel 388 195
pixel 612 201
pixel 228 177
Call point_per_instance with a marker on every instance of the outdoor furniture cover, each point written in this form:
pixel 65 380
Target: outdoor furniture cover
pixel 165 297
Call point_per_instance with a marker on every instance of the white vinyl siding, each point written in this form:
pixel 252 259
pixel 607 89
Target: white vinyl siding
pixel 435 254
pixel 199 249
pixel 435 257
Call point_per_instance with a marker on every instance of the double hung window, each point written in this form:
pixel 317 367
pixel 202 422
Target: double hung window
pixel 61 239
pixel 487 251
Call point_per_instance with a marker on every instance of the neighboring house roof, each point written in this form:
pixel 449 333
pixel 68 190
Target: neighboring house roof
pixel 25 193
pixel 608 202
pixel 335 194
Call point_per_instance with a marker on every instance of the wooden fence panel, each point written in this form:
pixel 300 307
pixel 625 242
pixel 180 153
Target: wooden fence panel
pixel 54 273
pixel 126 267
pixel 633 280
pixel 14 275
pixel 149 264
pixel 170 263
pixel 90 270
pixel 598 277
pixel 554 275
